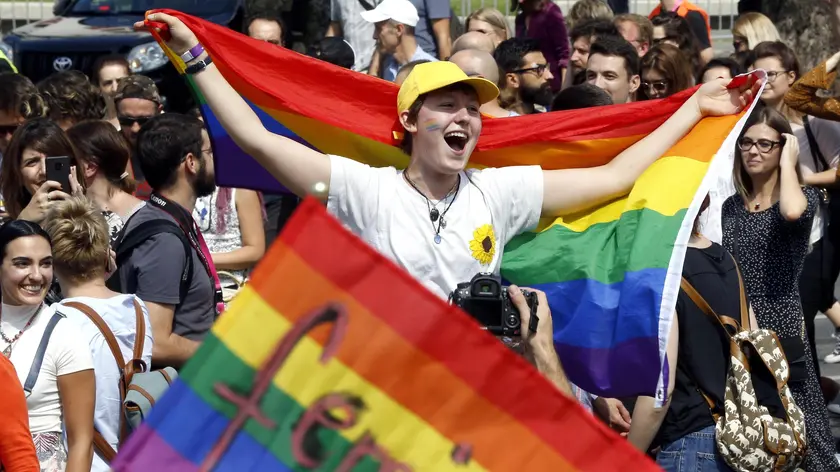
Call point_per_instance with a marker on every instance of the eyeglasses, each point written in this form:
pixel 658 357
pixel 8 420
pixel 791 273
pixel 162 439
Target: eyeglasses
pixel 763 145
pixel 660 86
pixel 772 75
pixel 8 129
pixel 128 121
pixel 538 69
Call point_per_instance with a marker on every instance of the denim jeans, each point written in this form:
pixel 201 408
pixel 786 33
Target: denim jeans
pixel 695 452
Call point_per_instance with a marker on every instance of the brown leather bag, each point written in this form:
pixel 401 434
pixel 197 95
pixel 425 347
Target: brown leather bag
pixel 127 370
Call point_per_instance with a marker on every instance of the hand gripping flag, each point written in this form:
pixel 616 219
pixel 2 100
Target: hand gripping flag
pixel 611 273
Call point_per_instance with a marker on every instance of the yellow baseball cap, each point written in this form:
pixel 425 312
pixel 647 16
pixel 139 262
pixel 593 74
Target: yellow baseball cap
pixel 431 76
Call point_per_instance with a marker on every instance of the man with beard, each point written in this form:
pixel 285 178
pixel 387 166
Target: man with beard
pixel 582 36
pixel 162 244
pixel 527 79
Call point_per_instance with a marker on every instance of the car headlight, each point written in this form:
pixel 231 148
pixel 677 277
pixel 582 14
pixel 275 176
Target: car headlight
pixel 7 51
pixel 146 57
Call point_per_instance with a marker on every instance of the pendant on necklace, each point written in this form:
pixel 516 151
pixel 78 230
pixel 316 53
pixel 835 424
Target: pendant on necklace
pixel 434 214
pixel 442 223
pixel 437 239
pixel 8 351
pixel 757 205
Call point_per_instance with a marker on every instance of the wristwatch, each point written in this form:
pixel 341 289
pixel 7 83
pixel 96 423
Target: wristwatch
pixel 199 66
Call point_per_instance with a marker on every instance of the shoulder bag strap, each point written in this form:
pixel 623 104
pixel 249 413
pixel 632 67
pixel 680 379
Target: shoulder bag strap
pixel 724 322
pixel 111 341
pixel 29 384
pixel 140 331
pixel 816 152
pixel 705 308
pixel 745 311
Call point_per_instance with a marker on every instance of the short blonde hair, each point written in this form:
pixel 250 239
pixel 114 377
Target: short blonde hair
pixel 81 239
pixel 492 17
pixel 755 28
pixel 589 10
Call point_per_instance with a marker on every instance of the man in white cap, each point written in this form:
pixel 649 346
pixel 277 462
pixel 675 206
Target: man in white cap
pixel 394 22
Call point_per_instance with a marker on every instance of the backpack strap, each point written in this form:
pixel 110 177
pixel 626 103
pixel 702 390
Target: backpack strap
pixel 100 443
pixel 130 240
pixel 701 303
pixel 745 310
pixel 816 152
pixel 29 384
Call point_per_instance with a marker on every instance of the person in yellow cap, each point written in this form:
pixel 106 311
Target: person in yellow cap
pixel 440 221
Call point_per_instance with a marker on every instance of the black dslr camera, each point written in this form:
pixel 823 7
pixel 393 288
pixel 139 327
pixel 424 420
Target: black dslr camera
pixel 487 300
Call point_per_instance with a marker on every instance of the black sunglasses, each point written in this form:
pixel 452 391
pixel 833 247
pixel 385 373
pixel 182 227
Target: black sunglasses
pixel 8 129
pixel 128 121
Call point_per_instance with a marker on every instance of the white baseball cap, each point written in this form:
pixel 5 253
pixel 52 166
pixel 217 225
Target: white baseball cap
pixel 401 11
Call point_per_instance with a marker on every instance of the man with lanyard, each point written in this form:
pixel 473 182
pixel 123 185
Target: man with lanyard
pixel 161 255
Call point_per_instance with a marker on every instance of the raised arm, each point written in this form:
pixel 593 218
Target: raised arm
pixel 792 202
pixel 571 190
pixel 294 165
pixel 802 96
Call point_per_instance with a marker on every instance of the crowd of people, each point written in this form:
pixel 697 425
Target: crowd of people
pixel 140 230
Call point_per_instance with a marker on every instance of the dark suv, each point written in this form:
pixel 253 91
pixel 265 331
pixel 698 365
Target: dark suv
pixel 83 30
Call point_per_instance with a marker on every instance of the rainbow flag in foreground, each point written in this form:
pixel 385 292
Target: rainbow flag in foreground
pixel 334 359
pixel 612 273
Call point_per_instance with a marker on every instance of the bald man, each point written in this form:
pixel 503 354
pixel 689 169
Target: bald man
pixel 480 63
pixel 473 40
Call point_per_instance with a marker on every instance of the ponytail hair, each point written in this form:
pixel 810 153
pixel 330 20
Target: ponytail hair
pixel 100 144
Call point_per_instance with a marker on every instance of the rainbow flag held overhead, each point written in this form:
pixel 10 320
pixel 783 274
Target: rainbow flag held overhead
pixel 334 359
pixel 612 273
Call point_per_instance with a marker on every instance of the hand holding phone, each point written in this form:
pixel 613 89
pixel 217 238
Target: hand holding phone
pixel 58 170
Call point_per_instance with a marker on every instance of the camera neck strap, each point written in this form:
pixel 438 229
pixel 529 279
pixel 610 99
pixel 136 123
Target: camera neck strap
pixel 188 225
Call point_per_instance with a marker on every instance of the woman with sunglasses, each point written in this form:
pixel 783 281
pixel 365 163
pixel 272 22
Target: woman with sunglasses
pixel 665 71
pixel 670 28
pixel 766 227
pixel 61 395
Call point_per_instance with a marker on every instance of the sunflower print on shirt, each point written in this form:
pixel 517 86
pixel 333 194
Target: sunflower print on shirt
pixel 483 244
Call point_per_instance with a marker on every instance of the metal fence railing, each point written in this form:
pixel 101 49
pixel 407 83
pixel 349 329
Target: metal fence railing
pixel 14 13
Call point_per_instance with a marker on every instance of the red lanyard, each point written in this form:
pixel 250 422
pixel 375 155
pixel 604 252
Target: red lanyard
pixel 190 228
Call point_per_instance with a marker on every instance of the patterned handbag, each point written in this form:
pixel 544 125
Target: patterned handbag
pixel 748 438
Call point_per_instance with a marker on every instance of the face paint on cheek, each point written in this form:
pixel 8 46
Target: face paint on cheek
pixel 431 125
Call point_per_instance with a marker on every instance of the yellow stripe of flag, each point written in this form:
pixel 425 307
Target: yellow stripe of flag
pixel 254 336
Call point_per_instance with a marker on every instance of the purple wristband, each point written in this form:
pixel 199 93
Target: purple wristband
pixel 193 53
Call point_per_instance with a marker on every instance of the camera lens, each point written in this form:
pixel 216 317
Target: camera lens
pixel 57 166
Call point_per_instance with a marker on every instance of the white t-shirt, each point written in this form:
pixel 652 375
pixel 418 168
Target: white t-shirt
pixel 118 313
pixel 66 354
pixel 491 207
pixel 827 135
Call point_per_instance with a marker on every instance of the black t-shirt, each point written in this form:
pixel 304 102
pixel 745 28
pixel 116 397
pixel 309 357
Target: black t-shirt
pixel 703 355
pixel 698 26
